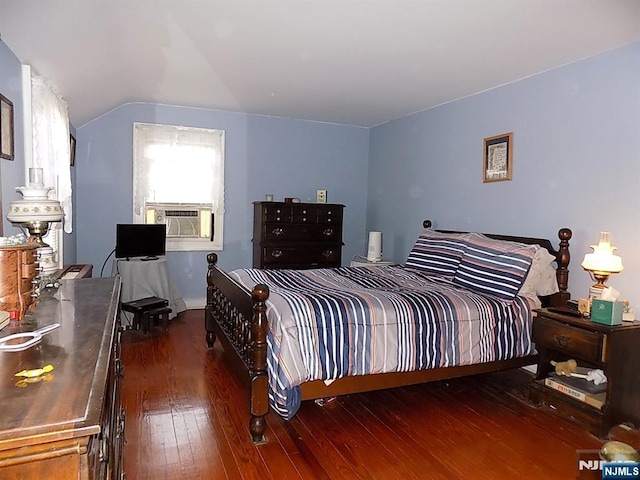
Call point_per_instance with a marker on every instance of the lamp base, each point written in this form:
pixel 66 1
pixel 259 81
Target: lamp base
pixel 46 261
pixel 595 292
pixel 37 229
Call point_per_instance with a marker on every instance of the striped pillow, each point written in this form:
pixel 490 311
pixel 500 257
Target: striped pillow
pixel 436 253
pixel 494 267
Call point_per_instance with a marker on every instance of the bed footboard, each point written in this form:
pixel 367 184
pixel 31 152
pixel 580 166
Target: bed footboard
pixel 238 320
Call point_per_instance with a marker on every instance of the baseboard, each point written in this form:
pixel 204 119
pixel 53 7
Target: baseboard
pixel 195 303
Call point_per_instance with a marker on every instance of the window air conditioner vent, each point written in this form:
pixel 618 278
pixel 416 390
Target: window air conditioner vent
pixel 182 221
pixel 181 213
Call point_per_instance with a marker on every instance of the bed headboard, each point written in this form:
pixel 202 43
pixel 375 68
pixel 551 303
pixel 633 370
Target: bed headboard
pixel 561 254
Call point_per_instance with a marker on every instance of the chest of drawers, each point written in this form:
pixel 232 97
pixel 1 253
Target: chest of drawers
pixel 297 235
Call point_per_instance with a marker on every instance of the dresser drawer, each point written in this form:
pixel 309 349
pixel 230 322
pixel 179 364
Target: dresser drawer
pixel 330 215
pixel 292 257
pixel 278 232
pixel 29 270
pixel 277 213
pixel 305 214
pixel 576 342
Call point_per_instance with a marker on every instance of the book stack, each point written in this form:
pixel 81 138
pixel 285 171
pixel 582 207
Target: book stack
pixel 579 388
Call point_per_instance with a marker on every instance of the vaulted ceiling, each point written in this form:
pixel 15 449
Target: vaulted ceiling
pixel 356 62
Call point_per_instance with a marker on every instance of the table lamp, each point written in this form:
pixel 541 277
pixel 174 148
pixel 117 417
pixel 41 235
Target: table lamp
pixel 601 263
pixel 35 212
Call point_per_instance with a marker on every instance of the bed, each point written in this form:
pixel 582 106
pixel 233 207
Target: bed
pixel 461 304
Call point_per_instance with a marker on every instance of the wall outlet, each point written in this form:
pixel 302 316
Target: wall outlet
pixel 321 196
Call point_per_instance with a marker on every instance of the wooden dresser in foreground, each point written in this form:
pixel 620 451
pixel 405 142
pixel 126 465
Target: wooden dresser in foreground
pixel 613 349
pixel 297 235
pixel 68 424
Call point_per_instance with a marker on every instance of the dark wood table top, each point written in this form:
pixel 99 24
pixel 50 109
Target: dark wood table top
pixel 67 401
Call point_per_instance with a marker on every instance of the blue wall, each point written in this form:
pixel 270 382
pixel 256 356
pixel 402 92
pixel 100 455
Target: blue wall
pixel 289 158
pixel 576 164
pixel 12 172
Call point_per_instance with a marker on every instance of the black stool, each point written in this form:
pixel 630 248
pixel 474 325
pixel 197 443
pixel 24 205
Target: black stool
pixel 146 309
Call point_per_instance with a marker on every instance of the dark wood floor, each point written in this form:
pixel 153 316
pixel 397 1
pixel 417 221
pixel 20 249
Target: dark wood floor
pixel 187 419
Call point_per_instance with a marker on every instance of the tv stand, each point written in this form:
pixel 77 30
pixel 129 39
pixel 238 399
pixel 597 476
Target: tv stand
pixel 143 277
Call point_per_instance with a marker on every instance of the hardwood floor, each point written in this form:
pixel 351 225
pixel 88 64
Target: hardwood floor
pixel 187 419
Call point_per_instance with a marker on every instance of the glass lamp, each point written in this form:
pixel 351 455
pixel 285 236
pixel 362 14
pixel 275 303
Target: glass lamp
pixel 35 213
pixel 601 263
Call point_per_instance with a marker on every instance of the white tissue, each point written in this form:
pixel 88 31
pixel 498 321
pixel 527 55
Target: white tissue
pixel 610 294
pixel 597 376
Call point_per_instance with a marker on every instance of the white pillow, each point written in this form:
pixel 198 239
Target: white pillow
pixel 541 279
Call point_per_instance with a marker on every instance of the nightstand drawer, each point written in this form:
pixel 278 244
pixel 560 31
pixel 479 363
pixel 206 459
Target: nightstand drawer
pixel 577 342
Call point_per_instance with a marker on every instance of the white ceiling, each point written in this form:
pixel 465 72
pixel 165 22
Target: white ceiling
pixel 356 62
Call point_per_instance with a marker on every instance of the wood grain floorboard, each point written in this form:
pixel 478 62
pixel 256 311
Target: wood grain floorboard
pixel 187 418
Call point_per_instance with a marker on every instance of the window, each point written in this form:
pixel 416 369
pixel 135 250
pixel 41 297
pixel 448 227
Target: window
pixel 178 180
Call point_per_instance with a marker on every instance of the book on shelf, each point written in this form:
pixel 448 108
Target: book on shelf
pixel 594 399
pixel 581 383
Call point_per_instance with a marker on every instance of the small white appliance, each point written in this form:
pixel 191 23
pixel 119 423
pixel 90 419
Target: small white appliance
pixel 374 251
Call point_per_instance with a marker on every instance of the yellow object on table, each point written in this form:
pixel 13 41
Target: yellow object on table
pixel 35 372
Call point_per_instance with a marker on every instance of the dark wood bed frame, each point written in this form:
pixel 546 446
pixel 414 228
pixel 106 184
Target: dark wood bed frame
pixel 237 318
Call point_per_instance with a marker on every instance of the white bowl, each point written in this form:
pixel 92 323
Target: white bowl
pixel 34 193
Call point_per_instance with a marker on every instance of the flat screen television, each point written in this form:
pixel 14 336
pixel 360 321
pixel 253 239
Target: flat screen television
pixel 140 240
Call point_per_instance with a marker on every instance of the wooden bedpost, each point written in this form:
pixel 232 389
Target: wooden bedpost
pixel 258 375
pixel 562 259
pixel 212 259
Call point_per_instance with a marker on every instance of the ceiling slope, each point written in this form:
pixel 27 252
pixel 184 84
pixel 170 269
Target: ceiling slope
pixel 355 62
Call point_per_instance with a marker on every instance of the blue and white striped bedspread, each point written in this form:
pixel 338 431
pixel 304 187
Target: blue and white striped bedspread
pixel 330 323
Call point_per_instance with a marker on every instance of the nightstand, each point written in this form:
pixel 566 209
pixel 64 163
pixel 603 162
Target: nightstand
pixel 363 262
pixel 613 349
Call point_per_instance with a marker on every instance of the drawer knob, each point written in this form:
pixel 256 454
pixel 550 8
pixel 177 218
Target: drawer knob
pixel 327 253
pixel 327 232
pixel 276 253
pixel 277 231
pixel 562 340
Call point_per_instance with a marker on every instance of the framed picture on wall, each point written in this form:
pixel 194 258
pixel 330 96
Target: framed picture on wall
pixel 497 164
pixel 6 128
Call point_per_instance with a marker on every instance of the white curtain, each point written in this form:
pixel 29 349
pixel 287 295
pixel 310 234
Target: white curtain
pixel 51 146
pixel 178 165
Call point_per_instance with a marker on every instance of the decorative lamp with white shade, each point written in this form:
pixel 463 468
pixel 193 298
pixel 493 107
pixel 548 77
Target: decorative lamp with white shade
pixel 601 263
pixel 35 212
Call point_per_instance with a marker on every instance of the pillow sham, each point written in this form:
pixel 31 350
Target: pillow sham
pixel 437 253
pixel 494 267
pixel 541 279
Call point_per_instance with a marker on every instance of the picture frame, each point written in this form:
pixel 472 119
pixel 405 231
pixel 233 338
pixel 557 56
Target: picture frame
pixel 497 163
pixel 72 150
pixel 6 128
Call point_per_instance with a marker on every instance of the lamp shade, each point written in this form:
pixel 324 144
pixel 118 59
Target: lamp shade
pixel 602 259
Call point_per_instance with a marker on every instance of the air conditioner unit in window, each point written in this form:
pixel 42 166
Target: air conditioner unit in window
pixel 182 220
